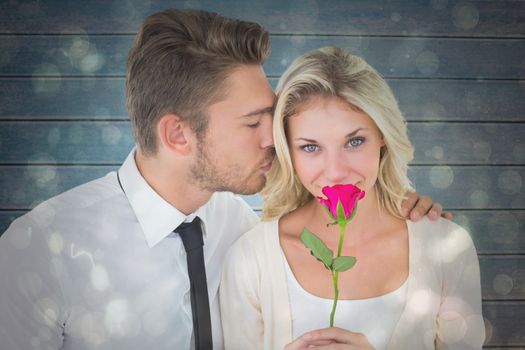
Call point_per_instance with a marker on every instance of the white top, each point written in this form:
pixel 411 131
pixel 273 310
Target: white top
pixel 97 268
pixel 374 317
pixel 443 299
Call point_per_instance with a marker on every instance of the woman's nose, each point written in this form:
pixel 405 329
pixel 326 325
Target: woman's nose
pixel 336 170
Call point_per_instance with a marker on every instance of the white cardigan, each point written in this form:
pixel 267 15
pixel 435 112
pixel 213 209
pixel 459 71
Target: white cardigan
pixel 443 305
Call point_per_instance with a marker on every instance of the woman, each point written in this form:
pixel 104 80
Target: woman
pixel 415 285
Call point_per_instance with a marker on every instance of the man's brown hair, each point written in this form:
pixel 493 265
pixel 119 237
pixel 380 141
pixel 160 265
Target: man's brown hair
pixel 178 63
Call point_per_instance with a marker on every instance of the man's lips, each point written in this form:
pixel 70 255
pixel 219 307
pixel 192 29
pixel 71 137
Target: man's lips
pixel 266 166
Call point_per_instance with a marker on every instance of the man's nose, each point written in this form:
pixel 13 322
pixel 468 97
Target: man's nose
pixel 267 132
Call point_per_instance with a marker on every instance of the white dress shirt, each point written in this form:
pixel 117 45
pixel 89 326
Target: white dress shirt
pixel 98 267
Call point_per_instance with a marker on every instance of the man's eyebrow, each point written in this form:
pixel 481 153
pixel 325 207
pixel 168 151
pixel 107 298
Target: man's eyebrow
pixel 265 110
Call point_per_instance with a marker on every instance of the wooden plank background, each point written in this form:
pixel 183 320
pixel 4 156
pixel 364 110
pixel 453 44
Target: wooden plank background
pixel 456 67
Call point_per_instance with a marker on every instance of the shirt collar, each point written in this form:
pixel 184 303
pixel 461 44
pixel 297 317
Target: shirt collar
pixel 156 216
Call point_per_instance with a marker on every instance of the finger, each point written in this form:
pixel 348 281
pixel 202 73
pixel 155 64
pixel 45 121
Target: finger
pixel 339 346
pixel 362 344
pixel 298 344
pixel 305 341
pixel 411 198
pixel 338 335
pixel 422 207
pixel 435 212
pixel 447 215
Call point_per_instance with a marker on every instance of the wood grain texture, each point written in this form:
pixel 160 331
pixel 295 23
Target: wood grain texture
pixel 494 231
pixel 447 18
pixel 504 323
pixel 503 277
pixel 74 55
pixel 419 100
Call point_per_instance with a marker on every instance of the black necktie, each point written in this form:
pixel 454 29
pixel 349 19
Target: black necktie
pixel 191 235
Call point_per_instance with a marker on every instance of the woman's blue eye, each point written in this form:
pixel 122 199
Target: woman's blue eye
pixel 310 148
pixel 355 142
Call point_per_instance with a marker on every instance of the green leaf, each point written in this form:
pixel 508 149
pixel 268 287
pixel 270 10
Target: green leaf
pixel 340 211
pixel 355 210
pixel 318 248
pixel 330 215
pixel 343 263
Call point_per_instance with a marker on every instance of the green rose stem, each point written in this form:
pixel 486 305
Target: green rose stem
pixel 341 204
pixel 335 274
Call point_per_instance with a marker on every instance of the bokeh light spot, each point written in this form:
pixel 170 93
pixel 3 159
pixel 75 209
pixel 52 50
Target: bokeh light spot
pixel 482 150
pixel 118 319
pixel 479 199
pixel 46 86
pixel 510 182
pixel 92 329
pixel 518 152
pixel 441 176
pixel 92 62
pixel 46 311
pixel 439 4
pixel 465 15
pixel 395 17
pixel 76 134
pixel 502 284
pixel 427 62
pixel 452 327
pixel 438 152
pixel 111 135
pixel 56 243
pixel 99 278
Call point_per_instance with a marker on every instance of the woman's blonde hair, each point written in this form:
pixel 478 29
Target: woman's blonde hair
pixel 333 72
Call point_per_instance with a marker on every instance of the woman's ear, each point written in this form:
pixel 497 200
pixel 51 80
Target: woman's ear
pixel 382 138
pixel 172 133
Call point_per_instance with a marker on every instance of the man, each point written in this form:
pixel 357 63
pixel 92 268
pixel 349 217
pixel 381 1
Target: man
pixel 100 266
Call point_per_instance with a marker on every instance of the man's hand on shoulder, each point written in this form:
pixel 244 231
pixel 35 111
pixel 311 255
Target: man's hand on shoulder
pixel 414 207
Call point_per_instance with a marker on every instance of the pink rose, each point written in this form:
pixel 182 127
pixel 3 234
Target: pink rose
pixel 347 195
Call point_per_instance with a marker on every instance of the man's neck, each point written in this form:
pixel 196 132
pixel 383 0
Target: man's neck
pixel 171 183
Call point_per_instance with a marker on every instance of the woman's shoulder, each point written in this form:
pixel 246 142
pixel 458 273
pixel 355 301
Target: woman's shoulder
pixel 444 235
pixel 256 238
pixel 443 228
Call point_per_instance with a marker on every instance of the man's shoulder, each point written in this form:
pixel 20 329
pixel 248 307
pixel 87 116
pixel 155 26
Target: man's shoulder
pixel 233 208
pixel 76 199
pixel 228 200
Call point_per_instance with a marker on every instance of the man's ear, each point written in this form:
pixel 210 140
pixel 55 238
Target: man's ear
pixel 173 134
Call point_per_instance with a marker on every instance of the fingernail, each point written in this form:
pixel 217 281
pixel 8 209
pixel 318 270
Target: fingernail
pixel 415 215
